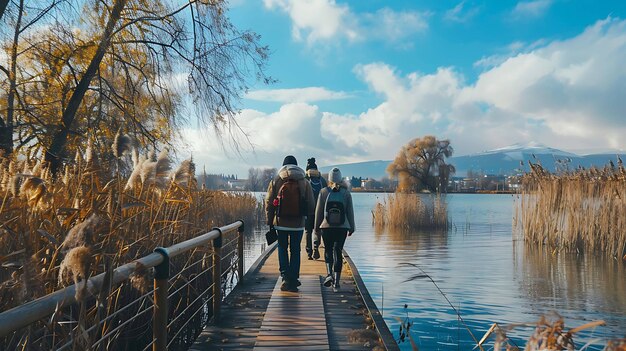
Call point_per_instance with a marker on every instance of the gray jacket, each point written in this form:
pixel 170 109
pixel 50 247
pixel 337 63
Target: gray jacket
pixel 320 220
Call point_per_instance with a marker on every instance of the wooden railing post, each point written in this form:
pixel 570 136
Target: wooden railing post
pixel 240 262
pixel 217 276
pixel 159 321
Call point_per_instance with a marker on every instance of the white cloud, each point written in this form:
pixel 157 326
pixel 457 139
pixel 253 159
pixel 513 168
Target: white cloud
pixel 534 8
pixel 309 94
pixel 316 21
pixel 461 13
pixel 567 94
pixel 389 25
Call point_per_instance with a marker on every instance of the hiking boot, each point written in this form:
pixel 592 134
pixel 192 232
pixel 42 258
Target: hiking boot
pixel 284 286
pixel 336 279
pixel 328 281
pixel 293 289
pixel 310 257
pixel 298 282
pixel 316 254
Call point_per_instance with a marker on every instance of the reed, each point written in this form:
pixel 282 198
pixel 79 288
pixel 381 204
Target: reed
pixel 411 211
pixel 581 211
pixel 88 220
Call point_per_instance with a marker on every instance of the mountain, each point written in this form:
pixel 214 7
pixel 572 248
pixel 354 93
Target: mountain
pixel 503 161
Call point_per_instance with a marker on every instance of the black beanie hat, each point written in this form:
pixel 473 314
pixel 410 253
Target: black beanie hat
pixel 290 160
pixel 310 164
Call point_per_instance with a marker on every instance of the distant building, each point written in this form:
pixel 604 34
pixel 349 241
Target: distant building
pixel 237 184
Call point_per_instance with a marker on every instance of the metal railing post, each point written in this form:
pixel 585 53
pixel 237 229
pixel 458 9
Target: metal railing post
pixel 240 262
pixel 217 276
pixel 159 322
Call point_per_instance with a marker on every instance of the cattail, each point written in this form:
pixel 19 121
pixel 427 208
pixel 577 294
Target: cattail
pixel 76 265
pixel 81 234
pixel 121 144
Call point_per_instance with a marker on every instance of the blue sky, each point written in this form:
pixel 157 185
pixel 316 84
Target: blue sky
pixel 358 79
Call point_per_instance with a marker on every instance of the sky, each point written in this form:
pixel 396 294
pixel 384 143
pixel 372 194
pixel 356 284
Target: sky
pixel 356 80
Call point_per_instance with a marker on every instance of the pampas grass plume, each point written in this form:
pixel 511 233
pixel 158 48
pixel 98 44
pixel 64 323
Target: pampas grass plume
pixel 148 172
pixel 121 144
pixel 163 166
pixel 81 234
pixel 142 277
pixel 75 265
pixel 135 175
pixel 35 190
pixel 185 172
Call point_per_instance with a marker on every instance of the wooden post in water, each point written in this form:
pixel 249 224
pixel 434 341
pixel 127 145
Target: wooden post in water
pixel 240 251
pixel 217 276
pixel 159 321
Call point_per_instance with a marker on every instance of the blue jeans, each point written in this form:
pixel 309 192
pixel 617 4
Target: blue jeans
pixel 289 265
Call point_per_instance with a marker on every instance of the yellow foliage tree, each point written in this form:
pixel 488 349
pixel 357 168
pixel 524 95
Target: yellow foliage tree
pixel 421 165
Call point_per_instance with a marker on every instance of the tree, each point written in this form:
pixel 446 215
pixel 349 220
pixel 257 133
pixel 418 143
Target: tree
pixel 22 17
pixel 267 176
pixel 355 182
pixel 3 6
pixel 117 64
pixel 254 179
pixel 421 165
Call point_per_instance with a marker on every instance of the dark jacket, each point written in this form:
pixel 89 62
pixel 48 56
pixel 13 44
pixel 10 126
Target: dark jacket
pixel 320 216
pixel 295 173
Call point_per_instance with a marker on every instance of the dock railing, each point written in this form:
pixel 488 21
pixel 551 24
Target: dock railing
pixel 181 303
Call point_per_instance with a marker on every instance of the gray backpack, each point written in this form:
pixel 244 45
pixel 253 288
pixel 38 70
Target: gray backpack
pixel 335 209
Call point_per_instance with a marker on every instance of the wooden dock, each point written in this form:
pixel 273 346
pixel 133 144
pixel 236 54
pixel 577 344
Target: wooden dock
pixel 257 315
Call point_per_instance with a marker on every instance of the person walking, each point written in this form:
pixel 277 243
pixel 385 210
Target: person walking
pixel 334 217
pixel 318 182
pixel 289 200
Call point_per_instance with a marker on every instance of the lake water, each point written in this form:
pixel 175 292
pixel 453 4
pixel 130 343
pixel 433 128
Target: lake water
pixel 486 274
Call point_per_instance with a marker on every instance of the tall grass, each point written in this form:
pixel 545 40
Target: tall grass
pixel 91 219
pixel 411 211
pixel 583 210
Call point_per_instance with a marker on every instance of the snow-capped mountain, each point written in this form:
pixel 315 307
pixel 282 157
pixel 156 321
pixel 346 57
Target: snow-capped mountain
pixel 506 160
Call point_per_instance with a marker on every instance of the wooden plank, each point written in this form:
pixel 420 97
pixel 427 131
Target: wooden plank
pixel 315 318
pixel 292 316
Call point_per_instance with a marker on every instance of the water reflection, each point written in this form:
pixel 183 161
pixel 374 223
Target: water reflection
pixel 412 239
pixel 573 284
pixel 482 270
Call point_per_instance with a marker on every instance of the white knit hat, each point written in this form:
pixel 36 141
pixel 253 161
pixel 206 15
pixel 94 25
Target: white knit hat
pixel 335 176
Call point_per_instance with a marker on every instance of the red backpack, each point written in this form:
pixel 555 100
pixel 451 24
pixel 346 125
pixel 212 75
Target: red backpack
pixel 290 199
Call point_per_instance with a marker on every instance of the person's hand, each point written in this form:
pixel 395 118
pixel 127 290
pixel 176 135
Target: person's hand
pixel 350 233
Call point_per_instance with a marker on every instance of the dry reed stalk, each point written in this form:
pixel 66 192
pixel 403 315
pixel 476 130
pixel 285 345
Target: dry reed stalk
pixel 90 214
pixel 576 211
pixel 410 212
